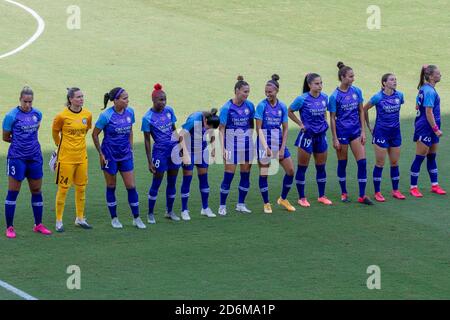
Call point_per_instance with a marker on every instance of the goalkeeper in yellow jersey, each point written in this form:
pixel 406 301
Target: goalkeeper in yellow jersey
pixel 69 133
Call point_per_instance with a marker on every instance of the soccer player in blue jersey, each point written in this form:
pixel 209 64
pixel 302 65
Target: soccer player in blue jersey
pixel 236 136
pixel 116 152
pixel 272 129
pixel 312 106
pixel 427 129
pixel 348 129
pixel 20 129
pixel 164 156
pixel 386 135
pixel 196 129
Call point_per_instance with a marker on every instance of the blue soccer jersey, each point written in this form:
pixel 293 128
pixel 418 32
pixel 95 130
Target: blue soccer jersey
pixel 194 125
pixel 427 98
pixel 117 128
pixel 312 112
pixel 237 121
pixel 272 118
pixel 160 126
pixel 346 106
pixel 388 110
pixel 24 128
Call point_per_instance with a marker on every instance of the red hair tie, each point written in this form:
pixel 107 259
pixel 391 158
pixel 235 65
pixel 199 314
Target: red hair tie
pixel 157 90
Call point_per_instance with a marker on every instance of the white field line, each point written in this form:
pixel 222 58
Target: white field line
pixel 37 34
pixel 16 291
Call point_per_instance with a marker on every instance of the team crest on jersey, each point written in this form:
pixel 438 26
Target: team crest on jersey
pixel 128 119
pixel 355 97
pixel 324 103
pixel 280 113
pixel 35 119
pixel 247 112
pixel 397 101
pixel 84 121
pixel 169 115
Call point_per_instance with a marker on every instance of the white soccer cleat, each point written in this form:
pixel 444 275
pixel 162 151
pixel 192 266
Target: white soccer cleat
pixel 82 223
pixel 59 226
pixel 172 216
pixel 222 211
pixel 137 222
pixel 240 207
pixel 208 212
pixel 116 223
pixel 151 218
pixel 185 215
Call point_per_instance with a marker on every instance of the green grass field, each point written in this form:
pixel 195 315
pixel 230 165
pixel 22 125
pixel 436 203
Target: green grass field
pixel 196 49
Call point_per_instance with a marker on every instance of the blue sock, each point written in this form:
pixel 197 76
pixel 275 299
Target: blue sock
pixel 362 177
pixel 415 169
pixel 225 187
pixel 204 189
pixel 185 188
pixel 244 186
pixel 377 174
pixel 287 185
pixel 153 194
pixel 10 207
pixel 342 175
pixel 37 203
pixel 133 201
pixel 264 188
pixel 300 181
pixel 111 202
pixel 171 192
pixel 321 178
pixel 395 177
pixel 432 168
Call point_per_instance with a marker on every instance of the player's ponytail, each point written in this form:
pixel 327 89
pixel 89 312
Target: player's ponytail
pixel 71 94
pixel 310 77
pixel 274 81
pixel 26 91
pixel 114 94
pixel 425 74
pixel 240 83
pixel 212 119
pixel 343 69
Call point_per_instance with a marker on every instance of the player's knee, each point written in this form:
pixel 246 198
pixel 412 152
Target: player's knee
pixel 379 163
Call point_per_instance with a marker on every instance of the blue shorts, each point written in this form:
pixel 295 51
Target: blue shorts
pixel 20 169
pixel 427 138
pixel 384 139
pixel 347 138
pixel 198 159
pixel 262 156
pixel 312 143
pixel 163 160
pixel 240 156
pixel 112 166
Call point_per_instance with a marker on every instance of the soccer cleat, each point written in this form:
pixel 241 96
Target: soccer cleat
pixel 267 208
pixel 398 195
pixel 151 218
pixel 207 212
pixel 344 197
pixel 41 229
pixel 240 207
pixel 415 192
pixel 59 226
pixel 10 233
pixel 137 222
pixel 379 197
pixel 172 216
pixel 116 223
pixel 438 190
pixel 185 215
pixel 325 201
pixel 285 203
pixel 304 203
pixel 222 211
pixel 83 224
pixel 365 200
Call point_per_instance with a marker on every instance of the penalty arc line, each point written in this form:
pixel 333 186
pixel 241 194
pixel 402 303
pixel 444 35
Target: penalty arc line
pixel 16 291
pixel 37 34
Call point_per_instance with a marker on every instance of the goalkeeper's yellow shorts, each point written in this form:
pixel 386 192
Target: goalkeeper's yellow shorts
pixel 68 174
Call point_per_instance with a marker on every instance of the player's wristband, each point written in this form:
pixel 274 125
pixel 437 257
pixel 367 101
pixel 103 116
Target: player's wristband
pixel 435 128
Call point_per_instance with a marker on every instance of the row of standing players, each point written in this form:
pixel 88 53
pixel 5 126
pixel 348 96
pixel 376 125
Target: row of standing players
pixel 348 118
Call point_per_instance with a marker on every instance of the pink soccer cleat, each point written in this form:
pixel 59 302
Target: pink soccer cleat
pixel 398 195
pixel 41 229
pixel 438 190
pixel 304 203
pixel 415 192
pixel 325 201
pixel 379 197
pixel 10 233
